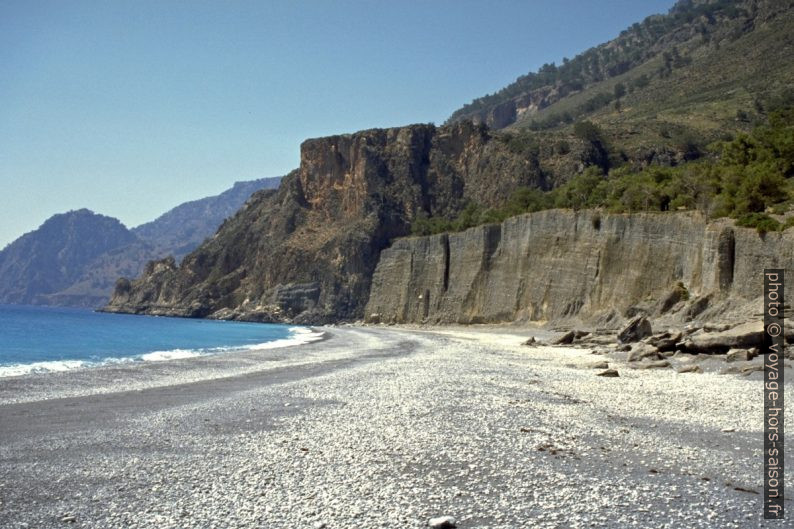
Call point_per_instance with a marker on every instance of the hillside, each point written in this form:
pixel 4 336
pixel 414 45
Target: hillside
pixel 627 126
pixel 180 230
pixel 660 92
pixel 74 259
pixel 55 255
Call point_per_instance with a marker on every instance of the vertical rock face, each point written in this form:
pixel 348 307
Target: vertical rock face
pixel 307 251
pixel 555 264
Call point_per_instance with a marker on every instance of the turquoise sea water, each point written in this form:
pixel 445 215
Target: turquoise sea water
pixel 57 339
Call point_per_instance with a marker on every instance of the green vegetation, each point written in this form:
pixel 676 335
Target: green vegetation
pixel 634 46
pixel 661 92
pixel 746 178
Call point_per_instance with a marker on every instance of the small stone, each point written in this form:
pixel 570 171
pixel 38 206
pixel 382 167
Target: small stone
pixel 738 355
pixel 320 525
pixel 531 341
pixel 69 518
pixel 442 522
pixel 690 369
pixel 600 365
pixel 746 370
pixel 608 373
pixel 656 364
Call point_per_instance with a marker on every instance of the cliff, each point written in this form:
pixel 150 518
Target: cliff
pixel 558 264
pixel 307 252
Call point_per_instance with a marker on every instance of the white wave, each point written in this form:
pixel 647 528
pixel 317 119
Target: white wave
pixel 298 336
pixel 174 354
pixel 14 370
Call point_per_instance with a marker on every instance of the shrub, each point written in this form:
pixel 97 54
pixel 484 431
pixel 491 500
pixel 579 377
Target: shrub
pixel 754 174
pixel 761 222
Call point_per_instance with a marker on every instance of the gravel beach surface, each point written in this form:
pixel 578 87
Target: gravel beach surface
pixel 383 427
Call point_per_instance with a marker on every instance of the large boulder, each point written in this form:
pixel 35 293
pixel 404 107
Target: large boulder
pixel 637 329
pixel 665 341
pixel 642 351
pixel 654 364
pixel 739 355
pixel 742 336
pixel 565 339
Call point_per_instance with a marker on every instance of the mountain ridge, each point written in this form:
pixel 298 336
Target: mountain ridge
pixel 663 41
pixel 53 256
pixel 307 252
pixel 63 265
pixel 185 226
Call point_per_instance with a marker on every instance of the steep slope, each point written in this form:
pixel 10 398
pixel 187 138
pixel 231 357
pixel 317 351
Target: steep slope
pixel 729 37
pixel 180 230
pixel 560 264
pixel 55 255
pixel 659 93
pixel 654 96
pixel 307 251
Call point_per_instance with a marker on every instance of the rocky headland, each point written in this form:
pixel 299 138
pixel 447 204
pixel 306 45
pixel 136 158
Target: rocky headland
pixel 307 252
pixel 332 244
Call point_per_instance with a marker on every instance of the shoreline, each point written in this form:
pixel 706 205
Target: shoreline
pixel 383 426
pixel 136 373
pixel 298 335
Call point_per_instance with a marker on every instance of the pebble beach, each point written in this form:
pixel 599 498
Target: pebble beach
pixel 383 427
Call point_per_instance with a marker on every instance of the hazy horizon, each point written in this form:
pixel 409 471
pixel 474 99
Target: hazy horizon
pixel 132 109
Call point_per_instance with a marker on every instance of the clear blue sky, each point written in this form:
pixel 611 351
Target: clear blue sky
pixel 132 107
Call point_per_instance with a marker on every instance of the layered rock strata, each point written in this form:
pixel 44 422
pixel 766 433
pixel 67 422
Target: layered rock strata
pixel 556 264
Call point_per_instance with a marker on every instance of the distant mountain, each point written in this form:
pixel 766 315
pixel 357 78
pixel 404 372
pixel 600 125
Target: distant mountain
pixel 56 255
pixel 75 258
pixel 180 230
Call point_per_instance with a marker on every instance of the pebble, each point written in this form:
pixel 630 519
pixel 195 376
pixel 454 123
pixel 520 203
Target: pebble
pixel 425 426
pixel 442 522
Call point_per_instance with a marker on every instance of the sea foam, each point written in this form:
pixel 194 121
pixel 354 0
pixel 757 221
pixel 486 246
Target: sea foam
pixel 298 336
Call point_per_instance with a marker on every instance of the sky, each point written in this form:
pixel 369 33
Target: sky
pixel 130 108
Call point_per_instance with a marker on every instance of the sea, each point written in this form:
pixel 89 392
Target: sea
pixel 41 339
